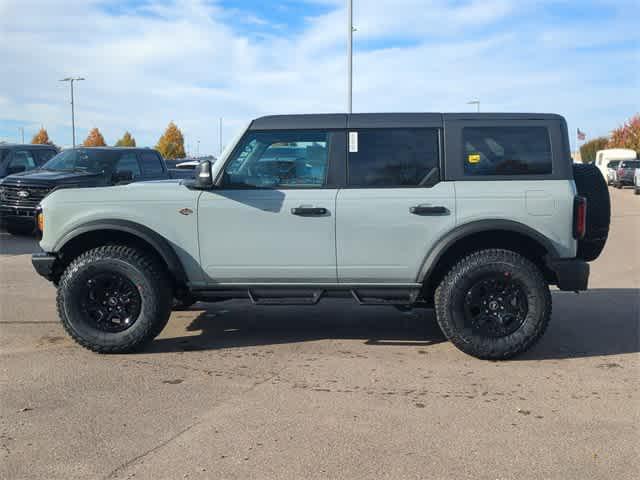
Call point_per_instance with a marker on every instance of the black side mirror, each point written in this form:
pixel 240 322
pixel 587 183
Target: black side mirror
pixel 16 169
pixel 204 180
pixel 122 176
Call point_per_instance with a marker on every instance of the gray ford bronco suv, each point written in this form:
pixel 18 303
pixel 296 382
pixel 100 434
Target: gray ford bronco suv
pixel 475 215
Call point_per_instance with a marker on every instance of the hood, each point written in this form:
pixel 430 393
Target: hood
pixel 56 177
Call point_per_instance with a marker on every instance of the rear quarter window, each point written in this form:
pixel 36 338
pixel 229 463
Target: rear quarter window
pixel 151 163
pixel 506 151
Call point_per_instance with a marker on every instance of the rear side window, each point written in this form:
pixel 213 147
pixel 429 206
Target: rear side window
pixel 151 163
pixel 398 157
pixel 506 151
pixel 129 162
pixel 22 160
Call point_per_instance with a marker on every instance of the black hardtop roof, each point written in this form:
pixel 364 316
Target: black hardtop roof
pixel 379 120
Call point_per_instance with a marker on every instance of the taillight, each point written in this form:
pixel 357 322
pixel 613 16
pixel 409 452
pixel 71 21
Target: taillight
pixel 579 217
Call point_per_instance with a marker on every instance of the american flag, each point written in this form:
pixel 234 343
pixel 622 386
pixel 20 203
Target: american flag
pixel 581 135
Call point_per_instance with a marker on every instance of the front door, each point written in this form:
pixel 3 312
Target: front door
pixel 272 218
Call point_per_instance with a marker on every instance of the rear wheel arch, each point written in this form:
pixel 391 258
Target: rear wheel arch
pixel 97 233
pixel 481 235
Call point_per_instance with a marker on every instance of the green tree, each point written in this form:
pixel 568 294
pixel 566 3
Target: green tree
pixel 94 139
pixel 588 150
pixel 171 143
pixel 127 140
pixel 41 138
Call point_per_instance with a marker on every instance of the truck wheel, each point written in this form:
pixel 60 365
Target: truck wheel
pixel 591 185
pixel 493 304
pixel 114 299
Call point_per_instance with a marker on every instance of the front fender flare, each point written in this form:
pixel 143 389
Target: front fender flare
pixel 157 241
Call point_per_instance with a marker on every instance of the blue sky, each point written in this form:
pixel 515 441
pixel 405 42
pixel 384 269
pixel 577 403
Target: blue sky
pixel 193 61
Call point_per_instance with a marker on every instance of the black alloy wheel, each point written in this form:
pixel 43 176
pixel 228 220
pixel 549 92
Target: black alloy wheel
pixel 111 302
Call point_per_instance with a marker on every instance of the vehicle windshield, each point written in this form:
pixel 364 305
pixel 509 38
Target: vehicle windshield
pixel 84 160
pixel 613 164
pixel 632 164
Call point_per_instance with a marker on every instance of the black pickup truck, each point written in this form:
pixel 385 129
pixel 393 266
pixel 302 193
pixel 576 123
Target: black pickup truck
pixel 21 193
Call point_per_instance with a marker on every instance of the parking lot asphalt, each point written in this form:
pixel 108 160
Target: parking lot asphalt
pixel 234 391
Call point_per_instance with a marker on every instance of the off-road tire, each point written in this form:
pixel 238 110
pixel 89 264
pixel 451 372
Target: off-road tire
pixel 450 297
pixel 591 184
pixel 143 270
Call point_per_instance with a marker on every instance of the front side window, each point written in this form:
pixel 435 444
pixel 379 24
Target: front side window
pixel 506 151
pixel 151 163
pixel 398 157
pixel 280 159
pixel 129 162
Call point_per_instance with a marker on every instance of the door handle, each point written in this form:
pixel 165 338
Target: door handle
pixel 309 211
pixel 429 210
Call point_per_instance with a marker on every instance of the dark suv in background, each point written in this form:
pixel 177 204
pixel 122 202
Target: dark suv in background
pixel 625 172
pixel 21 158
pixel 21 193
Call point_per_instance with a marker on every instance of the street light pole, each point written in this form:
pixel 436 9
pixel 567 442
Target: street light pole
pixel 73 116
pixel 476 103
pixel 220 136
pixel 349 56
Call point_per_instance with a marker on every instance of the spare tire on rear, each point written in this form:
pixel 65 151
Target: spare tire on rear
pixel 591 185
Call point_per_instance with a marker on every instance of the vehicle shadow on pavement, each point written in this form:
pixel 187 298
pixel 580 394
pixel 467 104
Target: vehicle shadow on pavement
pixel 240 324
pixel 17 244
pixel 599 322
pixel 596 322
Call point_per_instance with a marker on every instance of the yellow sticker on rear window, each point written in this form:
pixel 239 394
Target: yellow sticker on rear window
pixel 474 158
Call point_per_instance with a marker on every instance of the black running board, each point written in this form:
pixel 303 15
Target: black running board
pixel 305 295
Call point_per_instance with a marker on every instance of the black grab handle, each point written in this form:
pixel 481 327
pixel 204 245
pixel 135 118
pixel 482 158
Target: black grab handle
pixel 429 210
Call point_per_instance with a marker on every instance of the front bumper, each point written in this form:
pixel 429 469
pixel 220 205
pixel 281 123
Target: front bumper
pixel 20 216
pixel 571 273
pixel 44 264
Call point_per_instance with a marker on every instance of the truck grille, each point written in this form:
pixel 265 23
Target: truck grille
pixel 28 196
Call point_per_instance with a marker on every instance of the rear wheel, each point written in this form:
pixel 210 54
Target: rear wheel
pixel 114 299
pixel 494 304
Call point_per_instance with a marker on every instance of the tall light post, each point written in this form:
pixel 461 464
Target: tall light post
pixel 349 56
pixel 220 136
pixel 476 103
pixel 73 116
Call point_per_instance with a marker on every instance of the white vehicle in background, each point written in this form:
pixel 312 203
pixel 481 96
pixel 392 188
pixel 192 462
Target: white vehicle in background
pixel 636 182
pixel 189 165
pixel 604 157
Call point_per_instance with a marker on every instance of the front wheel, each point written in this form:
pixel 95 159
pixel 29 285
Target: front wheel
pixel 493 304
pixel 114 299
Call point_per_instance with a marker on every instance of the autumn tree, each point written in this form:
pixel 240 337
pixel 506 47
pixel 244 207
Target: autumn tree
pixel 628 135
pixel 171 143
pixel 588 150
pixel 41 138
pixel 127 140
pixel 94 139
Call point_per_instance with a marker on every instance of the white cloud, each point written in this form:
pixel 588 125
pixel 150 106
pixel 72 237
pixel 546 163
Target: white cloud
pixel 184 61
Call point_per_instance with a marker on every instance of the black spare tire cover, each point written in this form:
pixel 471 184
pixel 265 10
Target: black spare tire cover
pixel 591 184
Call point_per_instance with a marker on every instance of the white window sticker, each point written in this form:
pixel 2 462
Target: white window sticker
pixel 353 142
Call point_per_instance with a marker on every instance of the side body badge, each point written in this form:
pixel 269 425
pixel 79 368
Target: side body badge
pixel 185 211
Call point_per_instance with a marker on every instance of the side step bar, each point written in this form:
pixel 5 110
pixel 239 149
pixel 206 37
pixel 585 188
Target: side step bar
pixel 374 296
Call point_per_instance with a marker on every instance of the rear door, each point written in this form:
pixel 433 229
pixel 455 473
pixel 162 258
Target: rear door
pixel 394 206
